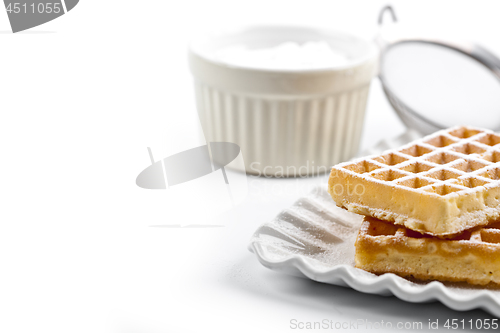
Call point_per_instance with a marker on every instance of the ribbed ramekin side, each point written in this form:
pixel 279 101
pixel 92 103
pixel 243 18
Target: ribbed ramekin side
pixel 285 136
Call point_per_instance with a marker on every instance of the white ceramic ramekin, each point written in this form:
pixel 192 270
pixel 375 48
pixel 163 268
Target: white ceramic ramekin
pixel 287 122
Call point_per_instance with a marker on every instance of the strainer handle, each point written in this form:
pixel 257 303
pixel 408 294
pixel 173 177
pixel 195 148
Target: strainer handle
pixel 386 8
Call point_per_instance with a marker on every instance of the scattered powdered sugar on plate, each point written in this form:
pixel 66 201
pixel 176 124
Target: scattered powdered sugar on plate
pixel 284 56
pixel 315 239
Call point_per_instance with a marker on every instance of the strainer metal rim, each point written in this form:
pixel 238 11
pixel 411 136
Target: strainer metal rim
pixel 467 48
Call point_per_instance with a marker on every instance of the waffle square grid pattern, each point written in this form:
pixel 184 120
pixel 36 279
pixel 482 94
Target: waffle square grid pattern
pixel 440 185
pixel 471 256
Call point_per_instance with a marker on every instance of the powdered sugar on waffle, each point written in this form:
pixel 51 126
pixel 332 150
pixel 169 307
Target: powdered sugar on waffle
pixel 448 162
pixel 460 165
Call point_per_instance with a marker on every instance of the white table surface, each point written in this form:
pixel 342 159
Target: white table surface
pixel 82 97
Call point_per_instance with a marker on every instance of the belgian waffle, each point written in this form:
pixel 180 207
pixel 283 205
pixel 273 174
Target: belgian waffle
pixel 471 256
pixel 439 185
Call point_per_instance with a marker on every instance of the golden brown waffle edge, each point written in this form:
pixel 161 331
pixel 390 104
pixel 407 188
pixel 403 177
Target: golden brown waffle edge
pixel 472 256
pixel 440 185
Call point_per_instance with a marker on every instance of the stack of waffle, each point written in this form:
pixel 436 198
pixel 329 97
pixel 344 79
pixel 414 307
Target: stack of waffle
pixel 431 207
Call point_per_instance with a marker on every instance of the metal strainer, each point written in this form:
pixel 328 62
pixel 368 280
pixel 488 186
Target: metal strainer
pixel 434 84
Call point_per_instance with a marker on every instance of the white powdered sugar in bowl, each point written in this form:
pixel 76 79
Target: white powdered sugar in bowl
pixel 293 98
pixel 287 55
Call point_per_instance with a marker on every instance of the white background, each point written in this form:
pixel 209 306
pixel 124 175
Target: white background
pixel 81 99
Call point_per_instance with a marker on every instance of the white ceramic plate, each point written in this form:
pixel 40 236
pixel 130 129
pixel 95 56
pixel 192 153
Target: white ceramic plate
pixel 315 239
